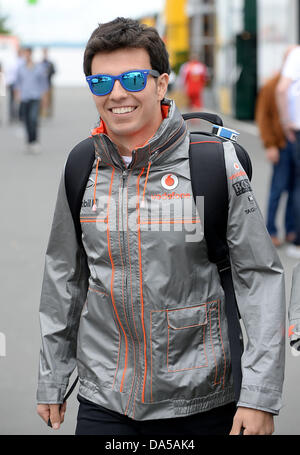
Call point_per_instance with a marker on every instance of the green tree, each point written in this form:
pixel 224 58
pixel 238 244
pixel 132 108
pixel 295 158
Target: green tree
pixel 3 28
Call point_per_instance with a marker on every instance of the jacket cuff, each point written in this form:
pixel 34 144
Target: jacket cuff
pixel 51 393
pixel 261 398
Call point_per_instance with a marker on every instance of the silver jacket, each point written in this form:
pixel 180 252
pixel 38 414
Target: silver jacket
pixel 140 309
pixel 294 306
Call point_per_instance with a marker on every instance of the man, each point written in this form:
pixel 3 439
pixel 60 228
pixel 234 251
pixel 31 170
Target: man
pixel 31 84
pixel 288 99
pixel 138 307
pixel 2 96
pixel 279 151
pixel 47 100
pixel 11 76
pixel 194 76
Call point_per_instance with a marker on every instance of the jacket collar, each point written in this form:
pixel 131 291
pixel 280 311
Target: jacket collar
pixel 172 130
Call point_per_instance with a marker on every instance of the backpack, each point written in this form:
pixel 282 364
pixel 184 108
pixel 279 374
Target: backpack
pixel 206 159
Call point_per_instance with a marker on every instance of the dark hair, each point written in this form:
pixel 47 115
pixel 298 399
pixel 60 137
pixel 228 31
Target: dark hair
pixel 127 33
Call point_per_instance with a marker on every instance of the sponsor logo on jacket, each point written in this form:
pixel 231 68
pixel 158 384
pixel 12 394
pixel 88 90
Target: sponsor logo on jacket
pixel 170 196
pixel 89 203
pixel 241 187
pixel 169 181
pixel 237 174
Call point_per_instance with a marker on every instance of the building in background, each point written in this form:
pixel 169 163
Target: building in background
pixel 176 32
pixel 9 45
pixel 251 37
pixel 235 56
pixel 202 31
pixel 278 27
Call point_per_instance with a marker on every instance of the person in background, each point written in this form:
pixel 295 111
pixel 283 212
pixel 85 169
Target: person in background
pixel 31 84
pixel 2 96
pixel 288 101
pixel 11 77
pixel 47 100
pixel 279 151
pixel 193 76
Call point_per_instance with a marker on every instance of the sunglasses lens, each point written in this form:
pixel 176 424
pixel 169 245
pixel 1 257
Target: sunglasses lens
pixel 133 81
pixel 101 85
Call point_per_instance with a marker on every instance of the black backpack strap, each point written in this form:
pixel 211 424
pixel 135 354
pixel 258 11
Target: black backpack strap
pixel 77 170
pixel 207 116
pixel 208 176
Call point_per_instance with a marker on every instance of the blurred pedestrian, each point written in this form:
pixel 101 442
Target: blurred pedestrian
pixel 2 96
pixel 11 72
pixel 193 76
pixel 279 151
pixel 47 100
pixel 288 100
pixel 31 84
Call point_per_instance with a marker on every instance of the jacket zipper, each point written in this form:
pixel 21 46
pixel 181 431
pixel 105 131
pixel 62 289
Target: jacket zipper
pixel 129 315
pixel 124 178
pixel 137 375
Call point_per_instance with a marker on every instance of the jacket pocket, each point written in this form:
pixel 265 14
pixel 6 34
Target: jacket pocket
pixel 188 354
pixel 186 338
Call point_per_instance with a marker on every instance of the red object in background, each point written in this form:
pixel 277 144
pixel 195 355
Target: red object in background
pixel 194 78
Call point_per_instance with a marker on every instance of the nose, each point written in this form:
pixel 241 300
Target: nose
pixel 118 91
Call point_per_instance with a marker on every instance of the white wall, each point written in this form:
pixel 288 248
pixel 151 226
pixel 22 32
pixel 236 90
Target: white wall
pixel 277 29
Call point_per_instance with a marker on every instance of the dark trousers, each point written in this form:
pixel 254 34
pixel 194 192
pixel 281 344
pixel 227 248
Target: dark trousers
pixel 30 116
pixel 95 420
pixel 282 181
pixel 13 110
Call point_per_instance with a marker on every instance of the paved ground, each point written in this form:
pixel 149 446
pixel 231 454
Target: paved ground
pixel 28 188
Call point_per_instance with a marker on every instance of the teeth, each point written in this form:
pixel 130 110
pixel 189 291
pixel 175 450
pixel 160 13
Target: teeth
pixel 122 110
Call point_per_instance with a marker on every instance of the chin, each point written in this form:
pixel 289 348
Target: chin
pixel 124 130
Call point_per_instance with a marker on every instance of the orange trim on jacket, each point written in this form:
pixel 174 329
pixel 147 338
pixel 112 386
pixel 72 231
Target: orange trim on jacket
pixel 291 330
pixel 112 285
pixel 141 284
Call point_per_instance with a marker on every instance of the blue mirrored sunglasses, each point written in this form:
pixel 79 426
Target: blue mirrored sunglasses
pixel 132 81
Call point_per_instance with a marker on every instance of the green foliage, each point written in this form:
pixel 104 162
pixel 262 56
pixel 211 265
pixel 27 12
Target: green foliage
pixel 181 57
pixel 3 28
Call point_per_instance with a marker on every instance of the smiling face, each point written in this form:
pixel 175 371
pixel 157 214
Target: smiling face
pixel 131 118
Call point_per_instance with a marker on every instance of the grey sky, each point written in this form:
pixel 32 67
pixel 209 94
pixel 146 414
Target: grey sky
pixel 69 20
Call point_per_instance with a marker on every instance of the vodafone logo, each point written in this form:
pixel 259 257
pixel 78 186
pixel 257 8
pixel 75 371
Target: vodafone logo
pixel 169 181
pixel 237 167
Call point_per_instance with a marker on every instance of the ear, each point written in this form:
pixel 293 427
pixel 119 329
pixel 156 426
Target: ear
pixel 162 85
